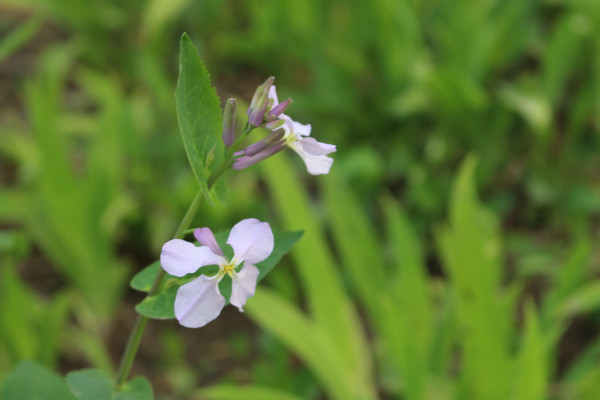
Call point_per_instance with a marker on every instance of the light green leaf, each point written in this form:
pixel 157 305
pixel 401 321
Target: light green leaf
pixel 199 116
pixel 250 392
pixel 32 381
pixel 531 375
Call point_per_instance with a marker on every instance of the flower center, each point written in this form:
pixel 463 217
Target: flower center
pixel 228 269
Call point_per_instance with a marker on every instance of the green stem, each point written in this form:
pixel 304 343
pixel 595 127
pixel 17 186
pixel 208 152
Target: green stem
pixel 141 321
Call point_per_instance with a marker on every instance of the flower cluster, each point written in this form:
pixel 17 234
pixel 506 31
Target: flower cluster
pixel 200 301
pixel 265 110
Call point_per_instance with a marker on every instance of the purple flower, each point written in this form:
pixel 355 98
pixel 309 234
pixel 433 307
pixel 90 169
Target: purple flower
pixel 296 136
pixel 200 301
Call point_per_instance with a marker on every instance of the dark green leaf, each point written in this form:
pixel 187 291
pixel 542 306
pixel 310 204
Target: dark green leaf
pixel 144 279
pixel 160 306
pixel 31 381
pixel 199 115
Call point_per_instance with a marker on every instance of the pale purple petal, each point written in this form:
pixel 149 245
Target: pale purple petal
pixel 243 285
pixel 205 237
pixel 315 165
pixel 198 302
pixel 179 257
pixel 252 240
pixel 273 95
pixel 311 146
pixel 300 129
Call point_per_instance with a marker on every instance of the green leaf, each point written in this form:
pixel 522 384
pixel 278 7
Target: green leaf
pixel 199 116
pixel 31 381
pixel 137 389
pixel 160 305
pixel 249 392
pixel 144 279
pixel 92 384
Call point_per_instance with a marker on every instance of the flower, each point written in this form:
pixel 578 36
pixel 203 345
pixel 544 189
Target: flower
pixel 296 136
pixel 200 301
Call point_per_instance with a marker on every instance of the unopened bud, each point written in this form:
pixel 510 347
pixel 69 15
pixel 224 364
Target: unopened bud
pixel 278 110
pixel 246 161
pixel 229 122
pixel 258 106
pixel 262 144
pixel 272 125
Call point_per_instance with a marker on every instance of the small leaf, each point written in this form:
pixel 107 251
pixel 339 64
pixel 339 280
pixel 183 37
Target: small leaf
pixel 90 384
pixel 199 116
pixel 159 306
pixel 93 384
pixel 144 279
pixel 30 380
pixel 137 389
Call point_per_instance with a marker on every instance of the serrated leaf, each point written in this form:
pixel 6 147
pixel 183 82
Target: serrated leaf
pixel 30 380
pixel 199 116
pixel 93 384
pixel 160 305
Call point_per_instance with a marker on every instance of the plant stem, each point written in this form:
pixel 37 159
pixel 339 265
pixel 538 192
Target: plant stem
pixel 141 321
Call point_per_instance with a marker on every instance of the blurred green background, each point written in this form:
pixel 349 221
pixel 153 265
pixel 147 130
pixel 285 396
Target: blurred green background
pixel 405 285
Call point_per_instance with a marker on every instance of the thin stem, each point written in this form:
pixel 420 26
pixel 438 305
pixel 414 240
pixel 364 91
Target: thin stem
pixel 141 321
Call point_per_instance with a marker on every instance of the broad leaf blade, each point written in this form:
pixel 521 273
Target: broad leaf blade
pixel 30 380
pixel 199 116
pixel 90 384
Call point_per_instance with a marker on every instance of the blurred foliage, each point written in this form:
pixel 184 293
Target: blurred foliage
pixel 95 179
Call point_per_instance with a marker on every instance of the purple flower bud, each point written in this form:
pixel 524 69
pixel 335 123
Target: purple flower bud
pixel 278 110
pixel 262 144
pixel 246 161
pixel 260 100
pixel 272 125
pixel 229 122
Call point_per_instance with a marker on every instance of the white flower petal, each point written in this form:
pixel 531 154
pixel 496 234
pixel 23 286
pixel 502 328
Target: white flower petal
pixel 205 237
pixel 252 240
pixel 301 129
pixel 179 257
pixel 198 302
pixel 315 165
pixel 311 146
pixel 243 286
pixel 273 95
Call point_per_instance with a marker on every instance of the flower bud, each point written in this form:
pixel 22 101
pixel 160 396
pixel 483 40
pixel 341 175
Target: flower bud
pixel 260 100
pixel 229 122
pixel 262 144
pixel 278 110
pixel 272 125
pixel 246 161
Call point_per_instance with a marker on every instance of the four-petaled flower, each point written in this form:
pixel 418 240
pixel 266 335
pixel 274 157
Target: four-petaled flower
pixel 295 135
pixel 200 301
